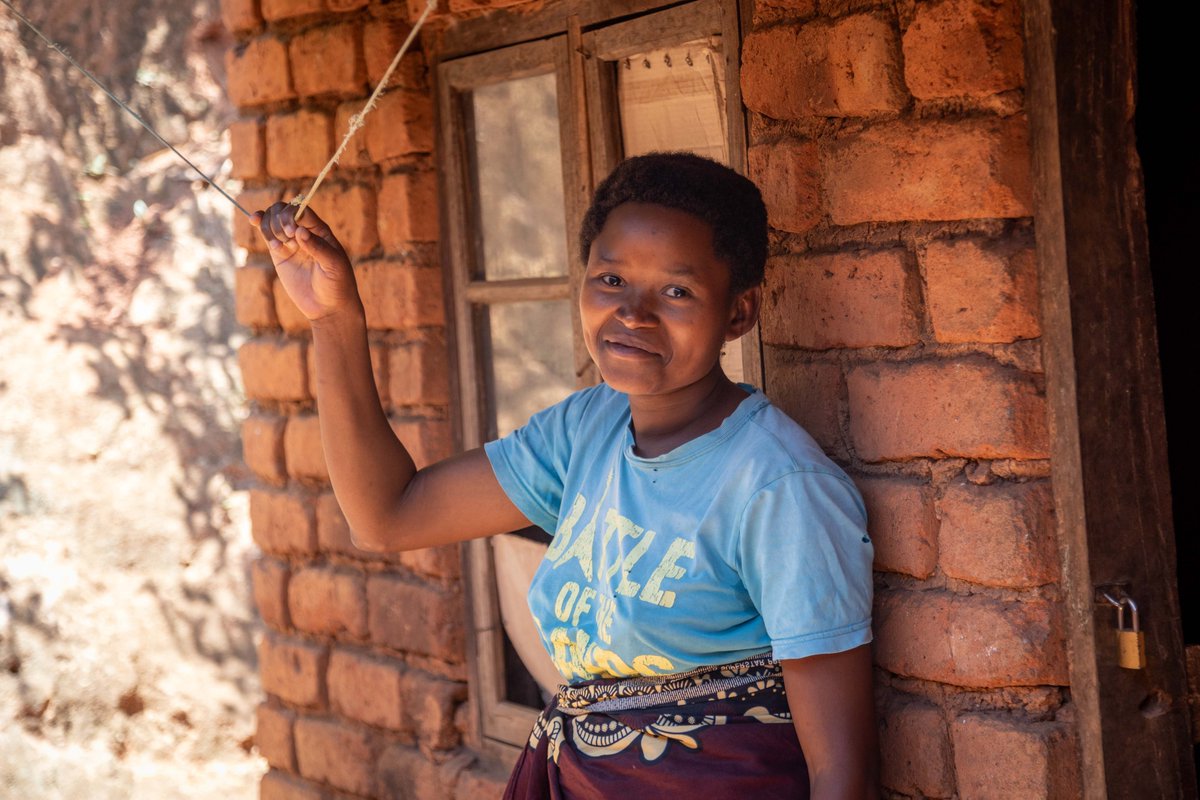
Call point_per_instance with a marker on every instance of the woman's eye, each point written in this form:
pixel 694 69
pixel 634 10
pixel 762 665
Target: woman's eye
pixel 610 280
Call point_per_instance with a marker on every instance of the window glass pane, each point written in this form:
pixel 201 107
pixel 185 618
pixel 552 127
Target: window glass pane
pixel 532 362
pixel 674 99
pixel 518 166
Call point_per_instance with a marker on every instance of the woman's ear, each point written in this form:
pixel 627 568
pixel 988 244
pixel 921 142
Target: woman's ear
pixel 744 313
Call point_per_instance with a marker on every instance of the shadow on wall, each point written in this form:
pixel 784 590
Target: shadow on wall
pixel 126 630
pixel 117 206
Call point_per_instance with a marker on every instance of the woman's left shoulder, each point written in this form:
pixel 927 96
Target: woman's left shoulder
pixel 781 445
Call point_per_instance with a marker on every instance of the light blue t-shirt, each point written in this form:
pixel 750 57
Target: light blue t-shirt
pixel 743 540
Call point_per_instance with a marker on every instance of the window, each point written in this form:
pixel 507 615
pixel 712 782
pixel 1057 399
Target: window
pixel 526 131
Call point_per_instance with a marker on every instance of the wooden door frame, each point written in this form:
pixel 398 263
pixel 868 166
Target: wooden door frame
pixel 1110 474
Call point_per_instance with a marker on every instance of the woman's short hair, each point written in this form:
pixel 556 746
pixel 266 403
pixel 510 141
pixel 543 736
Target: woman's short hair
pixel 729 203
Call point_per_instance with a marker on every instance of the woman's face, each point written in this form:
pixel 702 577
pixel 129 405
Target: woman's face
pixel 656 303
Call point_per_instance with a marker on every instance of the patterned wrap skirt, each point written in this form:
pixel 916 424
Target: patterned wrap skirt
pixel 721 731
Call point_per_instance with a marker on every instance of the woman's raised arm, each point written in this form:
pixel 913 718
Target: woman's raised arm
pixel 389 504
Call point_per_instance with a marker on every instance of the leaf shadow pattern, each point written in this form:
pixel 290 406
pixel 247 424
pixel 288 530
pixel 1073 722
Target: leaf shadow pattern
pixel 148 256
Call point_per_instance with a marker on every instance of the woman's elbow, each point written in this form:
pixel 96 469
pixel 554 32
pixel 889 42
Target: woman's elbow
pixel 369 542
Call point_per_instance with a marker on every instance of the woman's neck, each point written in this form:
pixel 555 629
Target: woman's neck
pixel 663 422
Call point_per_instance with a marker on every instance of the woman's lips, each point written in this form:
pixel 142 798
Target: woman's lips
pixel 628 349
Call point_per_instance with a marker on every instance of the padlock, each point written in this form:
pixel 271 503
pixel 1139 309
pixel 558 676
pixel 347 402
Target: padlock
pixel 1131 642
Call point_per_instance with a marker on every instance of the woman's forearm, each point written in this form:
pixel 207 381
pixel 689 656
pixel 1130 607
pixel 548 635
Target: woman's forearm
pixel 368 466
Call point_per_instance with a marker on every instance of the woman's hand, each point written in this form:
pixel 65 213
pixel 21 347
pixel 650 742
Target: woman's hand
pixel 310 261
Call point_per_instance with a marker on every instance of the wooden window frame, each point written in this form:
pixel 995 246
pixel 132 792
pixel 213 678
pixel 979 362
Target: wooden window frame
pixel 574 39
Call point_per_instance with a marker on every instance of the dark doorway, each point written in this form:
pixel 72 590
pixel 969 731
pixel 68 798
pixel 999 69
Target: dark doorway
pixel 1166 144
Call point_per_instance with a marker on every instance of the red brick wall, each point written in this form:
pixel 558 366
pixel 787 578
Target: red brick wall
pixel 362 657
pixel 900 327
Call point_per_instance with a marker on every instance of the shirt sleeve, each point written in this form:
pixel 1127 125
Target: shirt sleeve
pixel 531 462
pixel 805 559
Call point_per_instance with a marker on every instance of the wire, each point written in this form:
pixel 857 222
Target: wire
pixel 119 102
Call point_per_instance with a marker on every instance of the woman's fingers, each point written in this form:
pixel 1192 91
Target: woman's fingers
pixel 316 246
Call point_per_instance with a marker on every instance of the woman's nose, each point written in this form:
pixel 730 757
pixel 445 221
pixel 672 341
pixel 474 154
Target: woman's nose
pixel 636 311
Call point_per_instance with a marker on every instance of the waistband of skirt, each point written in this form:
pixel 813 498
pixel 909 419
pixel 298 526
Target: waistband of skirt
pixel 642 692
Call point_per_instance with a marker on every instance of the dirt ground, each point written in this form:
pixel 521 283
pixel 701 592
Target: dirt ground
pixel 126 628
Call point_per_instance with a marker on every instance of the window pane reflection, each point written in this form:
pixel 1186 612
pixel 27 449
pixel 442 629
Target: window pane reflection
pixel 532 359
pixel 518 167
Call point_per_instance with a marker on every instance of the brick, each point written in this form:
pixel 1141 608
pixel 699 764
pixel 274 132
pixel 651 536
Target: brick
pixel 355 156
pixel 417 7
pixel 481 782
pixel 401 125
pixel 381 41
pixel 408 210
pixel 274 370
pixel 981 292
pixel 808 392
pixel 789 175
pixel 400 296
pixel 959 48
pixel 929 170
pixel 246 235
pixel 462 6
pixel 431 704
pixel 380 353
pixel 247 149
pixel 273 736
pixel 290 317
pixel 419 372
pixel 269 584
pixel 1000 757
pixel 303 450
pixel 902 524
pixel 406 772
pixel 767 12
pixel 299 143
pixel 277 786
pixel 328 600
pixel 257 73
pixel 328 60
pixel 275 10
pixel 333 532
pixel 293 671
pixel 343 6
pixel 998 535
pixel 838 300
pixel 262 447
pixel 336 753
pixel 350 212
pixel 254 295
pixel 842 68
pixel 914 742
pixel 282 524
pixel 368 690
pixel 970 640
pixel 240 15
pixel 436 562
pixel 427 440
pixel 415 617
pixel 959 409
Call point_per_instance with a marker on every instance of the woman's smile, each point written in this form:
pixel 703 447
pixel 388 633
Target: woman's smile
pixel 629 347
